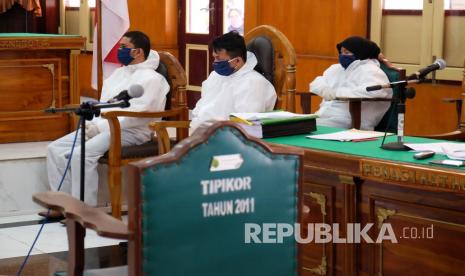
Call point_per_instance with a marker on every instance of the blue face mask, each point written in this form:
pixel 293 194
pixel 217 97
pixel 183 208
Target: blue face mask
pixel 223 68
pixel 124 56
pixel 346 60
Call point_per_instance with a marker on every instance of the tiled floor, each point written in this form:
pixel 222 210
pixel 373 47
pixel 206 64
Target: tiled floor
pixel 50 253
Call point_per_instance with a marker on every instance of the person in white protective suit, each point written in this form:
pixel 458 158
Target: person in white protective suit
pixel 358 68
pixel 139 65
pixel 234 85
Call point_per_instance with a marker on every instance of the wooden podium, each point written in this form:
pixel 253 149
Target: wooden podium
pixel 37 71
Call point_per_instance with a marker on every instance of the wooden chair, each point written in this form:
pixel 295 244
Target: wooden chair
pixel 176 109
pixel 459 133
pixel 171 232
pixel 389 120
pixel 276 62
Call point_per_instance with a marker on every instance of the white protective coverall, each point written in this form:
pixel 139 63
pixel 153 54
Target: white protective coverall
pixel 352 82
pixel 243 91
pixel 133 130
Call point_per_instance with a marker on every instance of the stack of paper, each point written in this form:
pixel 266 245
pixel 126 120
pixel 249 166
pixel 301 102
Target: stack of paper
pixel 349 135
pixel 452 150
pixel 275 123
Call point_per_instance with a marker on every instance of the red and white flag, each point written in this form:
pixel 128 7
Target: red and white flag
pixel 115 22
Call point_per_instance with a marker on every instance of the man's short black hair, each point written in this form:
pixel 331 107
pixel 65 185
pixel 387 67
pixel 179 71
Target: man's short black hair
pixel 140 40
pixel 233 43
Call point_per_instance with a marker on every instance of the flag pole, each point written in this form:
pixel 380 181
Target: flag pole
pixel 98 10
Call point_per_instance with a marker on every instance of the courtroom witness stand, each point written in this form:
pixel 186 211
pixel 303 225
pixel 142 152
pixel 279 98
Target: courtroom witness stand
pixel 357 69
pixel 139 65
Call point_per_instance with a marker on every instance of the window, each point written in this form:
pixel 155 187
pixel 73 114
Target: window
pixel 77 3
pixel 198 17
pixel 403 5
pixel 418 5
pixel 414 33
pixel 79 19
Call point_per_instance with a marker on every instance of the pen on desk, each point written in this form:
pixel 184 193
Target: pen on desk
pixel 364 139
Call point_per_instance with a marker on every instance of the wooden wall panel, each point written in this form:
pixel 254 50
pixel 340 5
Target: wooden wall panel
pixel 313 27
pixel 427 113
pixel 158 19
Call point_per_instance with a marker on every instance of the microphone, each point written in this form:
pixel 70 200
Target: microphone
pixel 388 85
pixel 438 64
pixel 134 91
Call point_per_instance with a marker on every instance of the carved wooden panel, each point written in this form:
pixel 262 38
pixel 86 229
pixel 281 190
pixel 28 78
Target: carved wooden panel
pixel 36 73
pixel 429 232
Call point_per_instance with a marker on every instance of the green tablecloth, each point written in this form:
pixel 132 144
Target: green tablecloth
pixel 366 149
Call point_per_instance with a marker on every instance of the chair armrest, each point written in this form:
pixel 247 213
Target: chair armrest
pixel 306 100
pixel 363 99
pixel 458 108
pixel 451 100
pixel 89 217
pixel 167 113
pixel 355 108
pixel 114 153
pixel 453 135
pixel 160 128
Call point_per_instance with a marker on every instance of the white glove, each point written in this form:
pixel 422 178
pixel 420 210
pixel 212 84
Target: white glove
pixel 91 130
pixel 327 93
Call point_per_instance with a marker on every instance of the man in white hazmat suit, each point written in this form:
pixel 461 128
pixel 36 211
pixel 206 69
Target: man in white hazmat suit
pixel 139 65
pixel 234 85
pixel 358 68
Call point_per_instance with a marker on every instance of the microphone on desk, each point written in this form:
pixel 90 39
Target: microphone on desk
pixel 438 64
pixel 134 91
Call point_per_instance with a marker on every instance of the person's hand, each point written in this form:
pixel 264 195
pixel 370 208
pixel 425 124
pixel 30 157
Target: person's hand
pixel 327 93
pixel 91 130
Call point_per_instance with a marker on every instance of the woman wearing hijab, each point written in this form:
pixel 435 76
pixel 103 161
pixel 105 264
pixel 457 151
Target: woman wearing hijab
pixel 358 68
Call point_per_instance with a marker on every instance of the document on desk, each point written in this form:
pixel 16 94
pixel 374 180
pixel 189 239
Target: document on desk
pixel 452 150
pixel 349 135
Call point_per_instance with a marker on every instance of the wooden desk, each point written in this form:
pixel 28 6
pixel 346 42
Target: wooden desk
pixel 341 187
pixel 36 72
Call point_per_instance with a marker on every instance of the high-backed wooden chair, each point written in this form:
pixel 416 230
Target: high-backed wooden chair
pixel 459 133
pixel 276 61
pixel 389 120
pixel 176 109
pixel 174 228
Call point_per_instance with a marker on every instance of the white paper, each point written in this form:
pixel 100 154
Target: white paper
pixel 348 135
pixel 252 130
pixel 452 150
pixel 226 162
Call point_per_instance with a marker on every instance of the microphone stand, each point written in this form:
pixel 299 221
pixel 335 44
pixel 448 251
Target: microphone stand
pixel 87 111
pixel 404 94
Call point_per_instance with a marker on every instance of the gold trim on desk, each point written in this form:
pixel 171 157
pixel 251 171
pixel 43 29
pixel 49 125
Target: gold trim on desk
pixel 322 268
pixel 382 214
pixel 412 176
